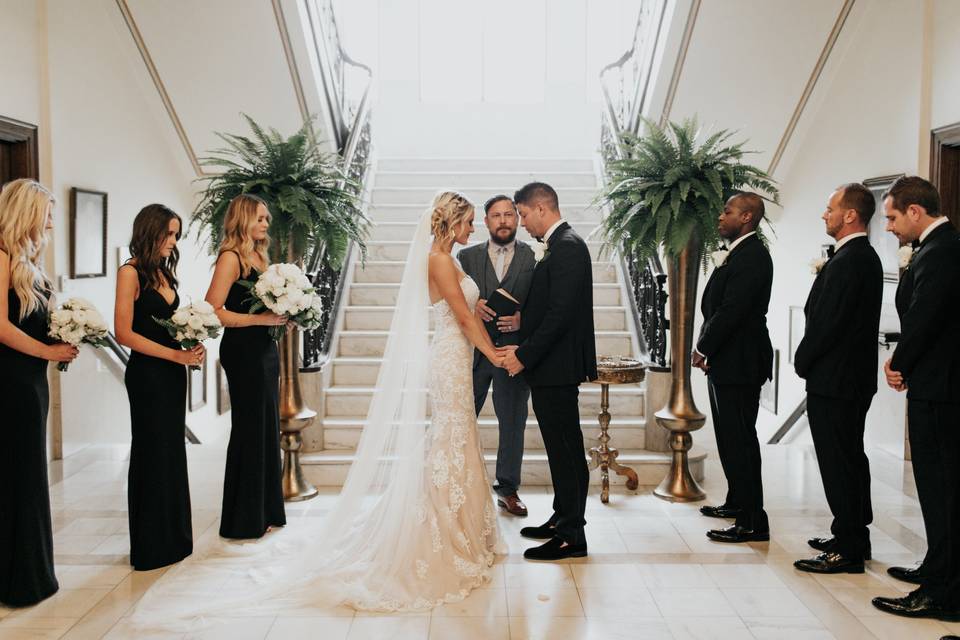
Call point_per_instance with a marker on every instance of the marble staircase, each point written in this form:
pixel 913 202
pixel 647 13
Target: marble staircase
pixel 403 188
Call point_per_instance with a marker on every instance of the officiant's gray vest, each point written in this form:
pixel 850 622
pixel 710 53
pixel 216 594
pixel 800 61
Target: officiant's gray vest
pixel 475 261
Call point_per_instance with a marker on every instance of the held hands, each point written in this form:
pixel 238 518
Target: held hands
pixel 894 378
pixel 191 357
pixel 699 361
pixel 510 361
pixel 62 352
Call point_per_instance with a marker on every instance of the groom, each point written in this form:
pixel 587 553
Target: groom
pixel 556 353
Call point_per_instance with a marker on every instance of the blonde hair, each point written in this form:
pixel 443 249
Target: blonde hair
pixel 24 205
pixel 449 210
pixel 241 214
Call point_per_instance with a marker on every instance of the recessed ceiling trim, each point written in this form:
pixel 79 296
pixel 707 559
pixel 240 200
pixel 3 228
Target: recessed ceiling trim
pixel 811 84
pixel 681 58
pixel 291 60
pixel 161 89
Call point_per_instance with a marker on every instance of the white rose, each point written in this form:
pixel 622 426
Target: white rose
pixel 195 322
pixel 79 316
pixel 290 271
pixel 180 317
pixel 720 257
pixel 211 320
pixel 74 337
pixel 817 264
pixel 905 256
pixel 180 337
pixel 61 317
pixel 539 250
pixel 203 307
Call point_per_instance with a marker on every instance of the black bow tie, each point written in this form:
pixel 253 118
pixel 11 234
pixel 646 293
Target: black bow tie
pixel 538 239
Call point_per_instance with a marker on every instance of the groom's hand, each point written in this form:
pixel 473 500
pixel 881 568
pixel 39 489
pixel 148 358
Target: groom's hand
pixel 486 313
pixel 510 361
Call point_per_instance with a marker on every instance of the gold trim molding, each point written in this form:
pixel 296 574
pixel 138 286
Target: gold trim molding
pixel 681 58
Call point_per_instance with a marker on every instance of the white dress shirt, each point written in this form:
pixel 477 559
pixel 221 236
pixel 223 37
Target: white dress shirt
pixel 553 227
pixel 846 239
pixel 740 239
pixel 936 223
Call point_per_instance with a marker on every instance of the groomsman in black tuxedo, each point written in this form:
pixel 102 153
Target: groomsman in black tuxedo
pixel 838 359
pixel 926 364
pixel 734 351
pixel 507 263
pixel 557 353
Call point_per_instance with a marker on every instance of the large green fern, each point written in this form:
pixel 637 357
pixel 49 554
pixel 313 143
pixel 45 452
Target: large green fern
pixel 667 188
pixel 311 200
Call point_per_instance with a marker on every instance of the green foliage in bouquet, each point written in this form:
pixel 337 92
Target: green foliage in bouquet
pixel 668 187
pixel 312 201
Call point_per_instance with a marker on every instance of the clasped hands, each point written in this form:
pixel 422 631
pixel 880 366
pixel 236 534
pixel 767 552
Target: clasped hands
pixel 894 378
pixel 699 361
pixel 506 358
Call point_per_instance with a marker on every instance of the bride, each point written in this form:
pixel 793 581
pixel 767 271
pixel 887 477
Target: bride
pixel 414 525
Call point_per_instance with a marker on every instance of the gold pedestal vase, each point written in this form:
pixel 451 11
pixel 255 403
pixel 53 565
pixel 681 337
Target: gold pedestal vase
pixel 680 415
pixel 294 418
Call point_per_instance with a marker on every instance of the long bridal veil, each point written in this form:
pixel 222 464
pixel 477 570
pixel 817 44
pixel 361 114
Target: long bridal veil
pixel 354 553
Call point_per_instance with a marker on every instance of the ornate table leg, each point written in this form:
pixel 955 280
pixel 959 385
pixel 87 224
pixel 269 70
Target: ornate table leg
pixel 603 456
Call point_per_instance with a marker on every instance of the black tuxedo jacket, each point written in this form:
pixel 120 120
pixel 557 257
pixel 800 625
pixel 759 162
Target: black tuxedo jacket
pixel 928 303
pixel 734 336
pixel 557 342
pixel 838 353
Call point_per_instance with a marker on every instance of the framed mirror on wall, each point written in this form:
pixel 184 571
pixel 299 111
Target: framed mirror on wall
pixel 884 242
pixel 88 233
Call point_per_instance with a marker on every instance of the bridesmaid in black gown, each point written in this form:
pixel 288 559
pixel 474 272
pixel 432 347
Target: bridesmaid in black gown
pixel 26 535
pixel 158 494
pixel 252 494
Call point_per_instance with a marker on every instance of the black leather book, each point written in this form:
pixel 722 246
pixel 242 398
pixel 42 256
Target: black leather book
pixel 503 303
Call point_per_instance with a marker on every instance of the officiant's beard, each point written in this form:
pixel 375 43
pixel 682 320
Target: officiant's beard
pixel 496 239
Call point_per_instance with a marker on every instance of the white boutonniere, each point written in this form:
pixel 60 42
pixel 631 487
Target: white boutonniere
pixel 816 265
pixel 720 257
pixel 540 251
pixel 905 256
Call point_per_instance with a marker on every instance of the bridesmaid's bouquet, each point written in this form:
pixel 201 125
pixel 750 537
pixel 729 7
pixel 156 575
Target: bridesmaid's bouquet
pixel 285 290
pixel 77 321
pixel 192 324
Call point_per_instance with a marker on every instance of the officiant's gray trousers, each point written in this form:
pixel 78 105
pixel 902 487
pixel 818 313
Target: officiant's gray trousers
pixel 510 396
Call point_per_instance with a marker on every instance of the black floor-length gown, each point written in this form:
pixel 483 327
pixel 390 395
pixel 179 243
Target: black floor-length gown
pixel 158 496
pixel 26 533
pixel 252 494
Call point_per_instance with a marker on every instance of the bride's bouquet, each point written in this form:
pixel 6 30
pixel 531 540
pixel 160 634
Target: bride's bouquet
pixel 192 324
pixel 286 291
pixel 77 321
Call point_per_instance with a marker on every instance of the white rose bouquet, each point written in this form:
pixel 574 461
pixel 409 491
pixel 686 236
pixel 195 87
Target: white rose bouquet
pixel 286 291
pixel 77 321
pixel 192 324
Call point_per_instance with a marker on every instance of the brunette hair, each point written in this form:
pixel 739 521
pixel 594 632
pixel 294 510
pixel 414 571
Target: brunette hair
pixel 908 190
pixel 150 229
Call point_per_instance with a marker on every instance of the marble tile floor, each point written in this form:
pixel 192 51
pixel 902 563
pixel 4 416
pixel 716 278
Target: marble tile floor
pixel 651 572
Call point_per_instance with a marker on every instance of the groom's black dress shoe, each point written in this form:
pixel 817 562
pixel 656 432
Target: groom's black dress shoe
pixel 826 544
pixel 916 605
pixel 913 576
pixel 829 562
pixel 721 511
pixel 554 549
pixel 736 533
pixel 543 532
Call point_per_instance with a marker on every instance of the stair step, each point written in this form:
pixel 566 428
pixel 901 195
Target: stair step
pixel 625 400
pixel 378 318
pixel 413 213
pixel 508 181
pixel 385 294
pixel 343 434
pixel 372 343
pixel 477 195
pixel 537 165
pixel 397 250
pixel 405 230
pixel 392 271
pixel 329 469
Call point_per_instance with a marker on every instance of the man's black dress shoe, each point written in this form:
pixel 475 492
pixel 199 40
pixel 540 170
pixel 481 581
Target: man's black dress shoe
pixel 543 532
pixel 904 574
pixel 736 533
pixel 721 511
pixel 829 562
pixel 826 544
pixel 916 605
pixel 554 549
pixel 950 638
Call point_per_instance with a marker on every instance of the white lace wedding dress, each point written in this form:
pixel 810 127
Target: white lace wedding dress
pixel 414 525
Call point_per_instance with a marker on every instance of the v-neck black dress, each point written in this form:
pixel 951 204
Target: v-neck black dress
pixel 158 495
pixel 252 494
pixel 26 534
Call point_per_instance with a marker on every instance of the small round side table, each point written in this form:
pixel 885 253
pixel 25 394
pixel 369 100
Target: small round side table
pixel 612 370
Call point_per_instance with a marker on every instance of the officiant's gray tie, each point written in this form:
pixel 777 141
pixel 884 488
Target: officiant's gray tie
pixel 501 261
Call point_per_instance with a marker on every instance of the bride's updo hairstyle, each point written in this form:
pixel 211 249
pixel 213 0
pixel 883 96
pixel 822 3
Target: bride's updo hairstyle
pixel 449 210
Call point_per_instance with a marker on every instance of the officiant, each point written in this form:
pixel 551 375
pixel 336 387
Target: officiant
pixel 503 263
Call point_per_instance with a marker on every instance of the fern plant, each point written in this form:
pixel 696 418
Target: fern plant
pixel 313 204
pixel 668 189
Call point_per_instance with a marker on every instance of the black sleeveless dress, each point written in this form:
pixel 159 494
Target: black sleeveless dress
pixel 158 495
pixel 252 494
pixel 26 534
